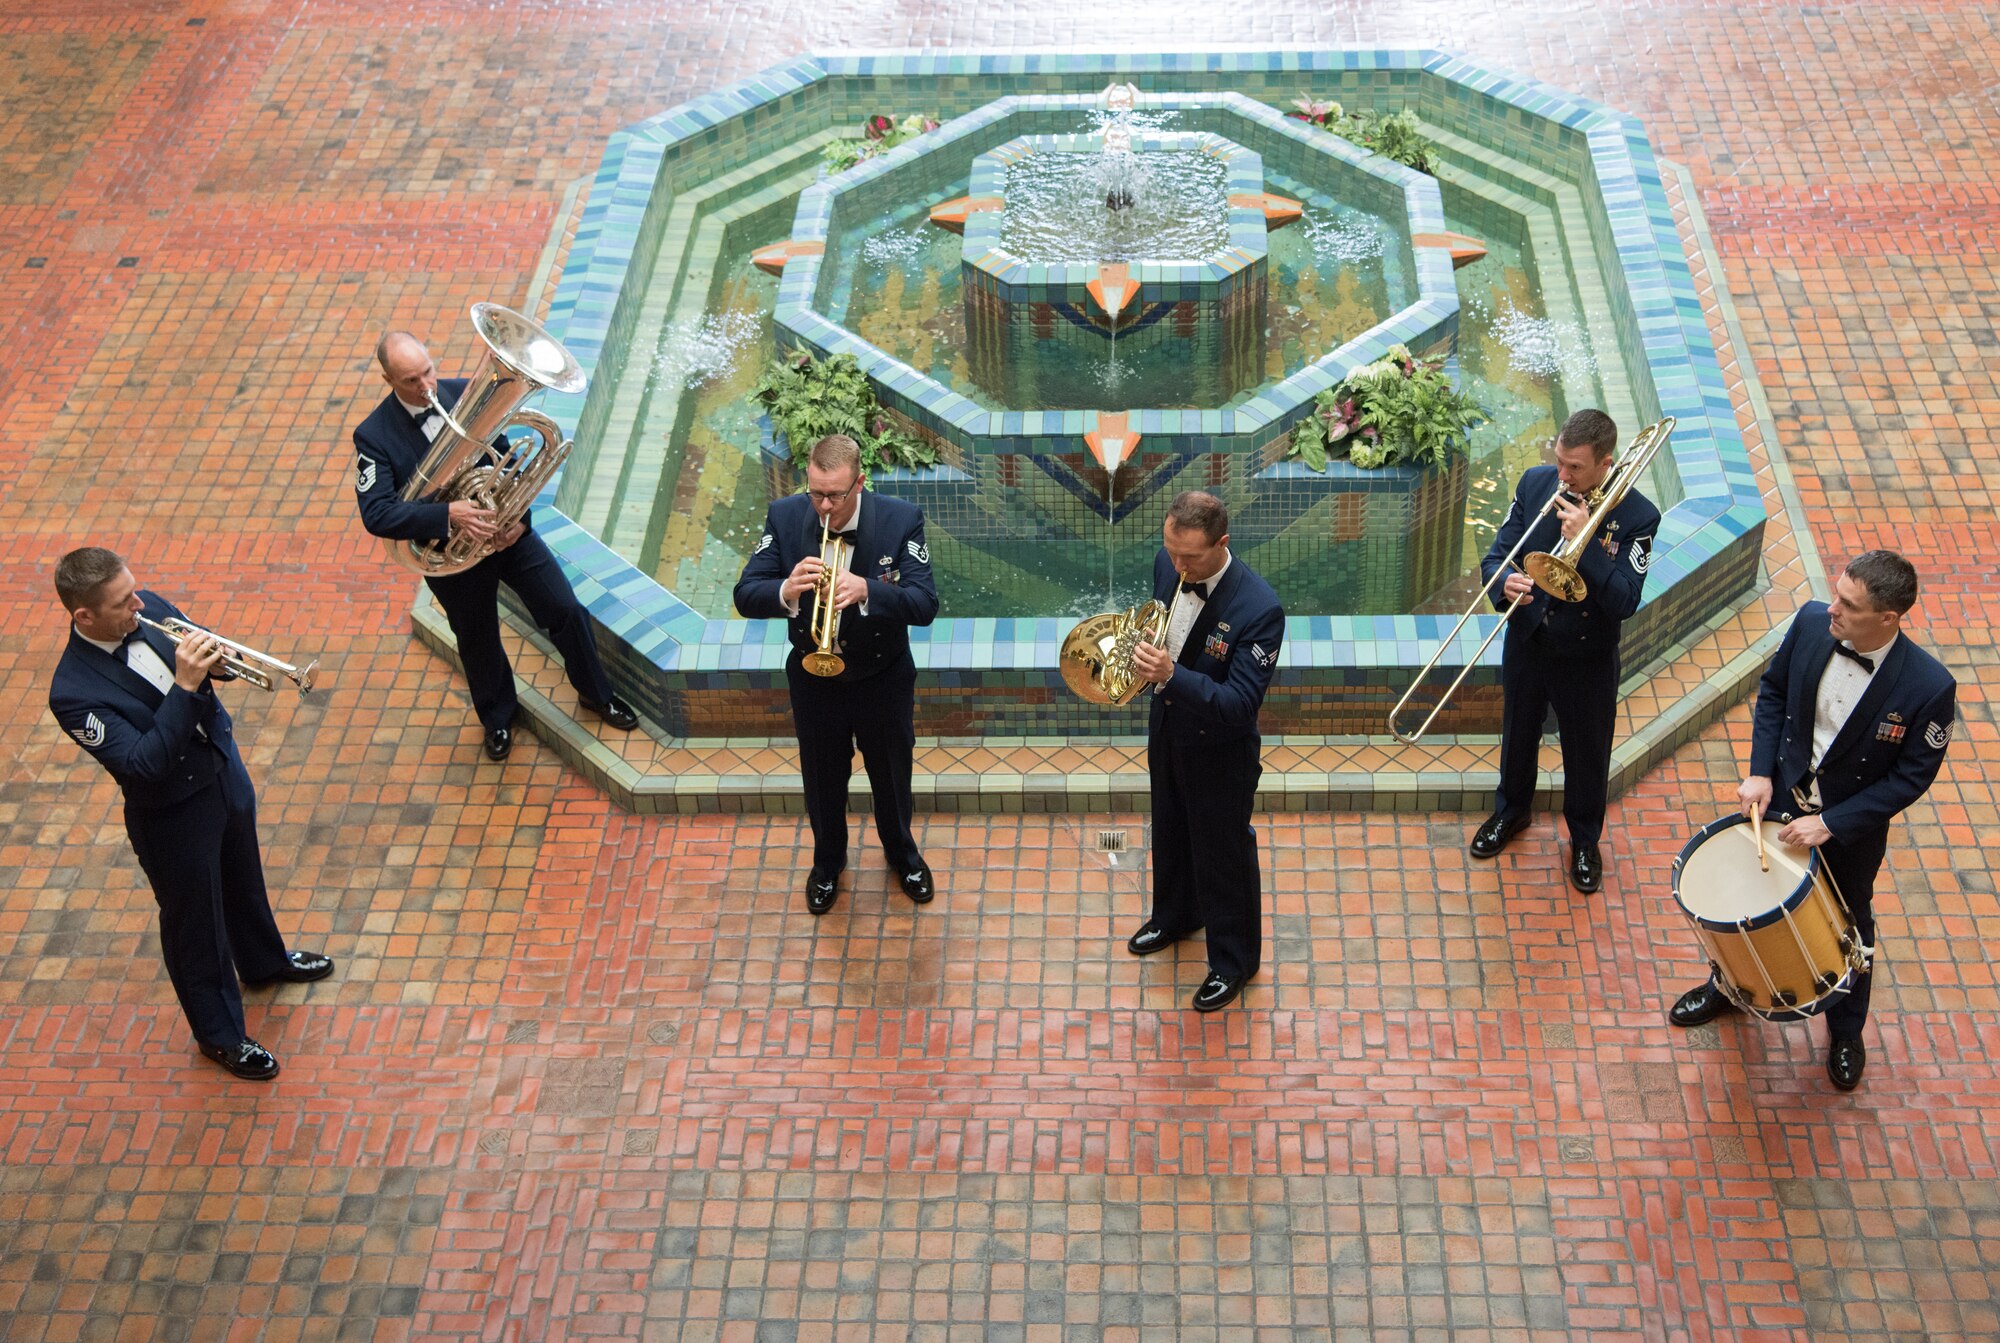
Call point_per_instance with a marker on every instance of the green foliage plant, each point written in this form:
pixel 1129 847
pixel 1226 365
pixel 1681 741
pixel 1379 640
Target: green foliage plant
pixel 1394 136
pixel 809 398
pixel 879 134
pixel 1399 409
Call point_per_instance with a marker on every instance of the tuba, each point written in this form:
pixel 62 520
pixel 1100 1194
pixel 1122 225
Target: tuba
pixel 1096 658
pixel 1553 571
pixel 519 360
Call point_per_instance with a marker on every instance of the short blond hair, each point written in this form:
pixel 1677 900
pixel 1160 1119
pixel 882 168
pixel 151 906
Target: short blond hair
pixel 834 452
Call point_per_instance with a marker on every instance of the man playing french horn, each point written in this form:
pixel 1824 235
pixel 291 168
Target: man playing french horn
pixel 389 447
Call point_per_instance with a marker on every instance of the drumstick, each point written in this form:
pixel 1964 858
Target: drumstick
pixel 1757 828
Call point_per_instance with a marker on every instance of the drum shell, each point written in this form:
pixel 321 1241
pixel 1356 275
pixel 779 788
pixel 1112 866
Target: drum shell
pixel 1791 958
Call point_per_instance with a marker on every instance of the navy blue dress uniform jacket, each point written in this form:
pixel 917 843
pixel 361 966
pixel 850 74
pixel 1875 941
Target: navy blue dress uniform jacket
pixel 1204 758
pixel 388 446
pixel 1229 659
pixel 191 814
pixel 1613 566
pixel 1886 755
pixel 889 552
pixel 161 754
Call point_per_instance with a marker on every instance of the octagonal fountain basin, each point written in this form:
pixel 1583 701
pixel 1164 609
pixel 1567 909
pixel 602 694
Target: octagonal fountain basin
pixel 1080 359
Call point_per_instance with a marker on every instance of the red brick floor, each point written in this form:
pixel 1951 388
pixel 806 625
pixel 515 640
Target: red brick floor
pixel 587 1074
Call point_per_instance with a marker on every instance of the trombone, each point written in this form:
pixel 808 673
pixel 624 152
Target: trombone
pixel 245 662
pixel 1553 571
pixel 823 661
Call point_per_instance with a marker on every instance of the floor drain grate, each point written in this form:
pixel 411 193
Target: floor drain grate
pixel 1111 841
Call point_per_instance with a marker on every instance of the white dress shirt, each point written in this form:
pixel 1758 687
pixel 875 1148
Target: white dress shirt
pixel 1189 608
pixel 430 427
pixel 1841 687
pixel 142 659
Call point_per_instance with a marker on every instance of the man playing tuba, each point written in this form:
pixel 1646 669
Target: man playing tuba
pixel 388 447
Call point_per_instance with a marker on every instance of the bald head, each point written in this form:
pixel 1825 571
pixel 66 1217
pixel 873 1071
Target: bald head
pixel 406 367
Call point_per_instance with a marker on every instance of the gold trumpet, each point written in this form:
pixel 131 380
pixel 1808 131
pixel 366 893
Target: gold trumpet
pixel 1096 658
pixel 247 663
pixel 823 661
pixel 1553 571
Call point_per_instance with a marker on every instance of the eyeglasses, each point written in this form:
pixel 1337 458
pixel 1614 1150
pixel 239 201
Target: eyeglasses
pixel 831 497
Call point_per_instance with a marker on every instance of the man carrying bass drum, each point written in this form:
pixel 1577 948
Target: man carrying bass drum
pixel 1851 727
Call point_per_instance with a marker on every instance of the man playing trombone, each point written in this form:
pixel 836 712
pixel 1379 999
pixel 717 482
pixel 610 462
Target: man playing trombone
pixel 851 573
pixel 1564 654
pixel 141 704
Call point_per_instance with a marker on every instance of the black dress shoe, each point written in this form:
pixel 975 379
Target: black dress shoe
pixel 1701 1004
pixel 246 1059
pixel 615 712
pixel 821 891
pixel 499 741
pixel 1489 839
pixel 1150 938
pixel 918 886
pixel 1844 1063
pixel 1586 868
pixel 1218 991
pixel 301 967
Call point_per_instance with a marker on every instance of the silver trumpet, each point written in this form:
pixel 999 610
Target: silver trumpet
pixel 247 663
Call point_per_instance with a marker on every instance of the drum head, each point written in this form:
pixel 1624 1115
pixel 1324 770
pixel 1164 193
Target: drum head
pixel 1717 879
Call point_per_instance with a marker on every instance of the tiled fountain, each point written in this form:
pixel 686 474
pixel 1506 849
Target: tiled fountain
pixel 1047 502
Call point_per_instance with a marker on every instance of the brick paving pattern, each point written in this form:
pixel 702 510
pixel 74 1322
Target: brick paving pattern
pixel 582 1073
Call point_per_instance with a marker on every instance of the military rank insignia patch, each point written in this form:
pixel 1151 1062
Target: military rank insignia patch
pixel 92 731
pixel 919 552
pixel 1264 659
pixel 1642 556
pixel 763 544
pixel 364 474
pixel 1936 735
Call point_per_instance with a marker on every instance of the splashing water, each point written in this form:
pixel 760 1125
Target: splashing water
pixel 694 354
pixel 1544 346
pixel 894 247
pixel 1344 239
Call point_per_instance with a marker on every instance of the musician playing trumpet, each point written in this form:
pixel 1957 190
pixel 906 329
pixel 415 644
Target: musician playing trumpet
pixel 1564 654
pixel 142 705
pixel 850 572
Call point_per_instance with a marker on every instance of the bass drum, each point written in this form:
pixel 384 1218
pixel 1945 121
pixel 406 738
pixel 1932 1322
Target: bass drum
pixel 1781 941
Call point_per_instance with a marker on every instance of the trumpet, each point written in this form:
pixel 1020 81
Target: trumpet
pixel 1096 657
pixel 823 661
pixel 245 662
pixel 1553 571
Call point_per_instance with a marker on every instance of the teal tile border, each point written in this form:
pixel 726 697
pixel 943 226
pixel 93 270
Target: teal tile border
pixel 1709 541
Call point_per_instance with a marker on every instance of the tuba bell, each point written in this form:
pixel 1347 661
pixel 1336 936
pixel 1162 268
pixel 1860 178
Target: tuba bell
pixel 520 358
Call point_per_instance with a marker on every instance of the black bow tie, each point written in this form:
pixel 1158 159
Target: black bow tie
pixel 1862 658
pixel 124 653
pixel 1198 589
pixel 422 417
pixel 847 536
